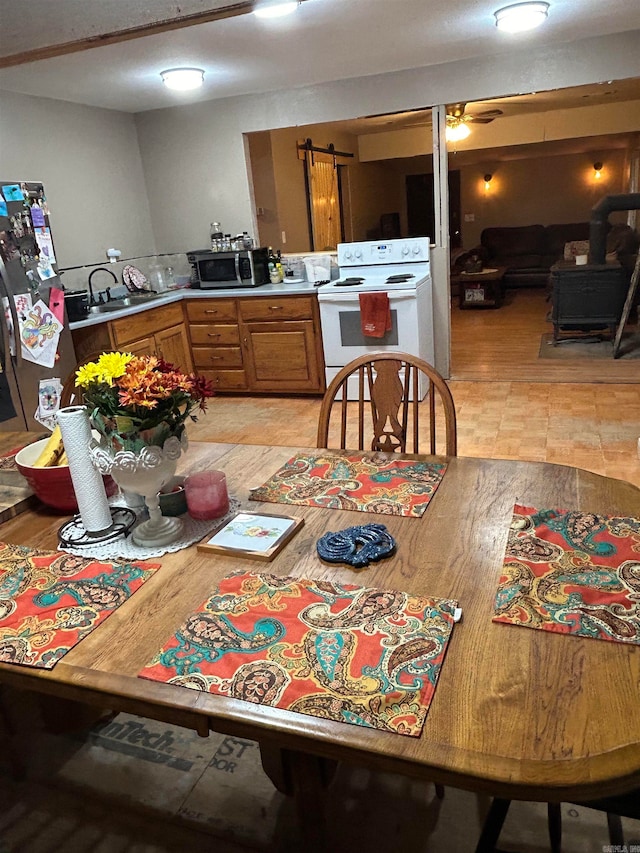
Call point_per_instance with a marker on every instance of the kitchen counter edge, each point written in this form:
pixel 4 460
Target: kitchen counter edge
pixel 283 289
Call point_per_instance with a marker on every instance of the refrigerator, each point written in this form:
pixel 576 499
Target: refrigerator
pixel 36 347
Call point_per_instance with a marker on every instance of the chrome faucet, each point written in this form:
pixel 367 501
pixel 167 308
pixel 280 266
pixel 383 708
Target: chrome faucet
pixel 99 301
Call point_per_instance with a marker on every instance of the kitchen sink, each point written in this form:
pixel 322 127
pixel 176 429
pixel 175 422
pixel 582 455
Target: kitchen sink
pixel 125 302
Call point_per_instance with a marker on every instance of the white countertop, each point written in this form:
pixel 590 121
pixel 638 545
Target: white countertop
pixel 282 289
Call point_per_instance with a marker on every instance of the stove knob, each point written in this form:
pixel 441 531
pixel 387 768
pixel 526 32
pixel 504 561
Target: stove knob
pixel 405 250
pixel 416 250
pixel 359 254
pixel 348 254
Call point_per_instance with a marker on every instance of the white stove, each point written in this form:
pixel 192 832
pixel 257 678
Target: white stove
pixel 380 265
pixel 402 269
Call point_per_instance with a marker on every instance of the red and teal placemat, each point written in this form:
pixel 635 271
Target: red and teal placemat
pixel 572 573
pixel 49 600
pixel 368 482
pixel 342 652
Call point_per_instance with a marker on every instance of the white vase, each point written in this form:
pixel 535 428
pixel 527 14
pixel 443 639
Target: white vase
pixel 144 472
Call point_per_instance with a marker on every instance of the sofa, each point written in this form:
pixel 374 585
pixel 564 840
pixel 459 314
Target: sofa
pixel 529 251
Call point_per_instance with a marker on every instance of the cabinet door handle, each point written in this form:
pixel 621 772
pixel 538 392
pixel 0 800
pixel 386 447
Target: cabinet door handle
pixel 216 357
pixel 276 307
pixel 214 335
pixel 210 310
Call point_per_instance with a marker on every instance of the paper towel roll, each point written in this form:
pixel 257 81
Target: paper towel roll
pixel 87 481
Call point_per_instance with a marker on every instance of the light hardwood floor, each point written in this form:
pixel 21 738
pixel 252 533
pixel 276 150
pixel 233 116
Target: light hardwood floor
pixel 509 403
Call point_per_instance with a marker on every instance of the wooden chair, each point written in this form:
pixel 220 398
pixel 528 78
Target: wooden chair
pixel 387 386
pixel 625 805
pixel 70 394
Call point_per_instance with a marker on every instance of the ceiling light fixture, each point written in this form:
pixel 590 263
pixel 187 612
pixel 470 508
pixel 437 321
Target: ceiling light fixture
pixel 456 131
pixel 521 16
pixel 182 79
pixel 275 9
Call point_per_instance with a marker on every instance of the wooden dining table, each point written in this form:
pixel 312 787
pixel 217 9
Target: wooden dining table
pixel 517 713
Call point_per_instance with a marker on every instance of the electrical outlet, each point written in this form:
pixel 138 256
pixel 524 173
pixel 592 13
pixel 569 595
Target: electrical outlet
pixel 284 237
pixel 469 217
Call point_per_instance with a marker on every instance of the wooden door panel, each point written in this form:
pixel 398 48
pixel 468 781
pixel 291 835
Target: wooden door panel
pixel 215 357
pixel 211 310
pixel 282 357
pixel 277 308
pixel 145 323
pixel 214 335
pixel 173 345
pixel 145 346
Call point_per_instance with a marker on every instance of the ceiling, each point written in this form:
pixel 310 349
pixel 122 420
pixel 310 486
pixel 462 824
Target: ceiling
pixel 325 40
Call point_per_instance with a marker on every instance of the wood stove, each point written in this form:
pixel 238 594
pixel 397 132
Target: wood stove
pixel 587 298
pixel 591 296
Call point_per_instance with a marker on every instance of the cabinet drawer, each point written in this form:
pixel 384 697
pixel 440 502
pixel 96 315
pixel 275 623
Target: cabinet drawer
pixel 212 310
pixel 277 308
pixel 214 335
pixel 226 380
pixel 217 357
pixel 146 323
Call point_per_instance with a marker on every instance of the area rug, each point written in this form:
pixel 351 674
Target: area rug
pixel 341 652
pixel 366 482
pixel 591 348
pixel 49 601
pixel 572 573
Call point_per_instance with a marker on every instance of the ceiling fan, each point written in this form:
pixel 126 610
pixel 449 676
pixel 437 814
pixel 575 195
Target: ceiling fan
pixel 458 119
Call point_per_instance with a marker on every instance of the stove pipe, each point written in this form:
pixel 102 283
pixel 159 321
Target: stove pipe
pixel 598 224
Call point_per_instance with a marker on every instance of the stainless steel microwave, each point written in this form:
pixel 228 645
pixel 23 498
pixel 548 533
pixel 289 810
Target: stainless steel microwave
pixel 244 268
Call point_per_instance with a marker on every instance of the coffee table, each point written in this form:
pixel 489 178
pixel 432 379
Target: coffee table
pixel 480 289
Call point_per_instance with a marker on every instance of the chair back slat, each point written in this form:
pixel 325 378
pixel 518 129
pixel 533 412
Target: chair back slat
pixel 388 407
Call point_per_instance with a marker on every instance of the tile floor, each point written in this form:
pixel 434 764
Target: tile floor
pixel 140 786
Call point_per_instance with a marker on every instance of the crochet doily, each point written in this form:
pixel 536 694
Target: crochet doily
pixel 124 548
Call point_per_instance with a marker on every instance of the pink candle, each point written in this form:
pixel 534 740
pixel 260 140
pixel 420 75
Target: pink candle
pixel 207 495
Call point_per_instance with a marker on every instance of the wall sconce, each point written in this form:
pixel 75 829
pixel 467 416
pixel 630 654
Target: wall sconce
pixel 487 181
pixel 597 169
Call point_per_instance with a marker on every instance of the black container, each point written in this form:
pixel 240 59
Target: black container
pixel 77 304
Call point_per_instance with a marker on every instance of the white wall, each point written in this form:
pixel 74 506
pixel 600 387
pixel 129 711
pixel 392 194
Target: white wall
pixel 194 155
pixel 89 162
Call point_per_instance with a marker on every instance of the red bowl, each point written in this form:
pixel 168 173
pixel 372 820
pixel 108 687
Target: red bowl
pixel 53 486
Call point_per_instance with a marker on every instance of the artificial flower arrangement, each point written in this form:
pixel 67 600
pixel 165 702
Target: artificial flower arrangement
pixel 135 401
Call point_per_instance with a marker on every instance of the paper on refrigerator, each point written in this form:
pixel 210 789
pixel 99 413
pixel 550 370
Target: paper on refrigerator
pixel 39 334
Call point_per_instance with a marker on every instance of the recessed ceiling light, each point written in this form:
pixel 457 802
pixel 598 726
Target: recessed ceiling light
pixel 182 79
pixel 277 9
pixel 521 16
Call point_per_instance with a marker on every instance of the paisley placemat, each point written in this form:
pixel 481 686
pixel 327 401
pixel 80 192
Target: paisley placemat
pixel 368 482
pixel 50 601
pixel 342 652
pixel 572 573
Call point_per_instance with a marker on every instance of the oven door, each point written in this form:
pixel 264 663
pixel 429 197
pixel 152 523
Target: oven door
pixel 342 337
pixel 341 323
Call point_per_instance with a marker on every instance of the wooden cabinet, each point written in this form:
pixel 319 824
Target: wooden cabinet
pixel 281 344
pixel 262 344
pixel 156 331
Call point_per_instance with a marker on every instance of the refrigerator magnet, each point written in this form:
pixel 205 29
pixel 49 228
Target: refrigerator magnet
pixel 12 192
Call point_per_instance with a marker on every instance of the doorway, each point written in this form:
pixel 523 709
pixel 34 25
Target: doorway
pixel 420 212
